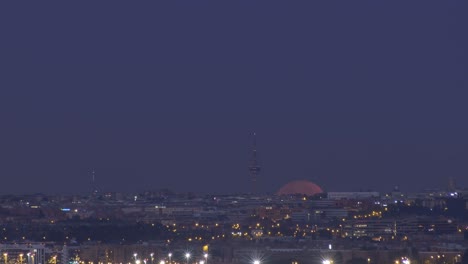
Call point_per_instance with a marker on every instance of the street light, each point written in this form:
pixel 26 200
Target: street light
pixel 187 256
pixel 170 256
pixel 406 261
pixel 137 261
pixel 162 262
pixel 5 257
pixel 327 261
pixel 206 258
pixel 256 261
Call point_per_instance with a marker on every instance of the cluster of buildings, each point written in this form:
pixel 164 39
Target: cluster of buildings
pixel 296 225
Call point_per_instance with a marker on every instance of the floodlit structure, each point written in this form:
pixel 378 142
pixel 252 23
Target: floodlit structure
pixel 300 187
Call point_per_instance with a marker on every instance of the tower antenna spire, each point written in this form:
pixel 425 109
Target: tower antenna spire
pixel 254 141
pixel 93 174
pixel 254 167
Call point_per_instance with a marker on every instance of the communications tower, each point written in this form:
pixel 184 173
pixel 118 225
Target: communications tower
pixel 95 189
pixel 254 167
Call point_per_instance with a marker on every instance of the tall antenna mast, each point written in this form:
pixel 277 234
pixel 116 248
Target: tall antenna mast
pixel 93 174
pixel 254 167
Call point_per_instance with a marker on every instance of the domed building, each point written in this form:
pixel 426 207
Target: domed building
pixel 300 187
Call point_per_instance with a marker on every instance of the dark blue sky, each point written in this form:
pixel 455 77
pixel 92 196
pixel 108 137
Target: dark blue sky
pixel 350 94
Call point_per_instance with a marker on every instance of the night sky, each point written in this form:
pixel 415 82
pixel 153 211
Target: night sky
pixel 353 95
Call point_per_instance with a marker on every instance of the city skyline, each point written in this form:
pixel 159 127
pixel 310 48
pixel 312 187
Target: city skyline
pixel 234 132
pixel 260 184
pixel 350 95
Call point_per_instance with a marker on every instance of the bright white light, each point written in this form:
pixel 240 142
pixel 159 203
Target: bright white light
pixel 187 255
pixel 162 262
pixel 326 261
pixel 205 255
pixel 202 262
pixel 256 261
pixel 170 254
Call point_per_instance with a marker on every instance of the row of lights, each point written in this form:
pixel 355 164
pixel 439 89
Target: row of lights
pixel 187 257
pixel 5 257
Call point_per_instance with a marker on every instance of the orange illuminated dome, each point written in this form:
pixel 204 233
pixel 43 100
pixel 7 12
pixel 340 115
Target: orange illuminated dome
pixel 300 187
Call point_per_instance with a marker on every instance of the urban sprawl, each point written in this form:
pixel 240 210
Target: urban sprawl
pixel 163 227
